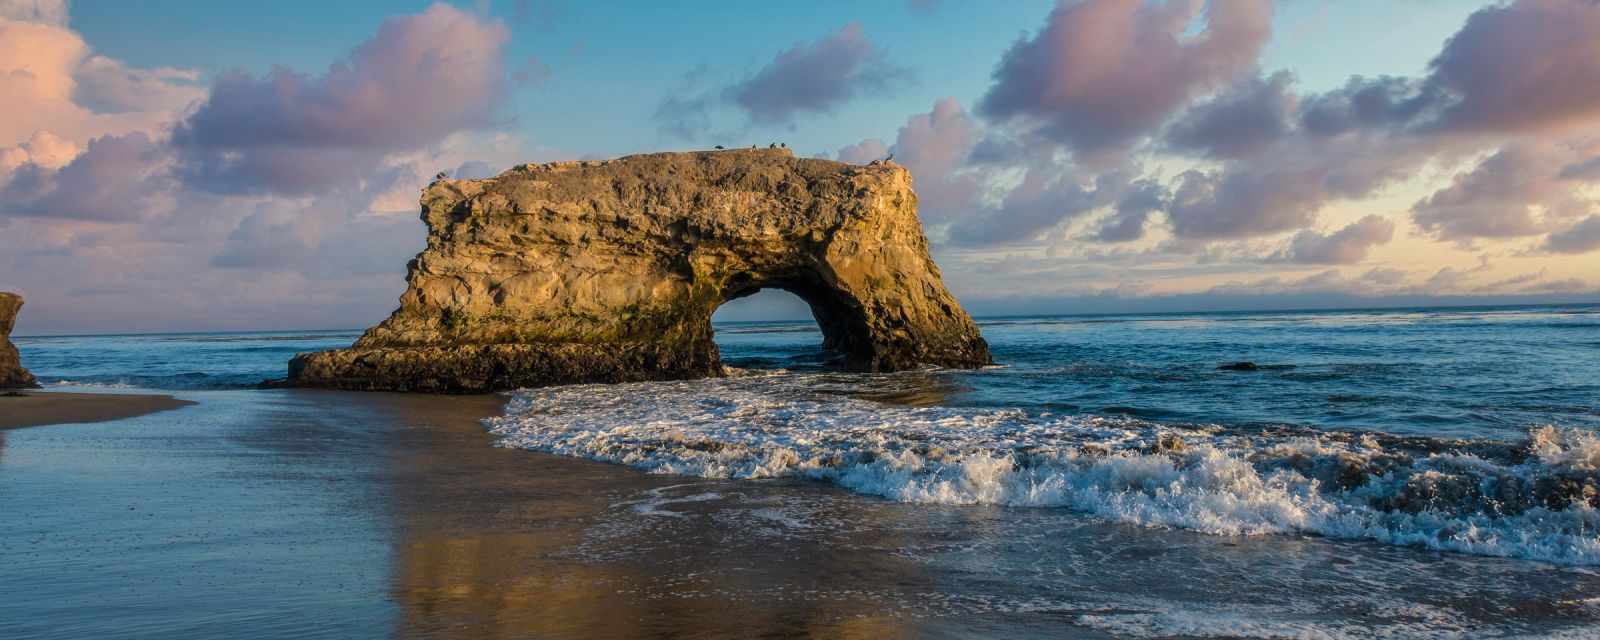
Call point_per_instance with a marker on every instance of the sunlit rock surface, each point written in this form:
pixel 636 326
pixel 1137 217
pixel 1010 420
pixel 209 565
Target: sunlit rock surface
pixel 12 375
pixel 609 271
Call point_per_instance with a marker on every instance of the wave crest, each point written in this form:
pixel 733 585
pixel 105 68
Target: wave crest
pixel 1537 500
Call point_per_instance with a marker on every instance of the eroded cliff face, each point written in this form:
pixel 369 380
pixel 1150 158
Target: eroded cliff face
pixel 609 271
pixel 12 375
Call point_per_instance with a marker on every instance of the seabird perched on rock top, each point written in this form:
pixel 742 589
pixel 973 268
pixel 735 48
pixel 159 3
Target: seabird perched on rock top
pixel 889 159
pixel 442 175
pixel 772 146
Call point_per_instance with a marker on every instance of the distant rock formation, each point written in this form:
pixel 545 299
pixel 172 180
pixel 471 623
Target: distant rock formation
pixel 12 375
pixel 609 271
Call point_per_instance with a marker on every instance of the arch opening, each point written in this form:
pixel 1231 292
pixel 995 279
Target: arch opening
pixel 785 326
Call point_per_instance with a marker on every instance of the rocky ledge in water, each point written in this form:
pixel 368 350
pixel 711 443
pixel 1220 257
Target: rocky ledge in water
pixel 12 375
pixel 609 271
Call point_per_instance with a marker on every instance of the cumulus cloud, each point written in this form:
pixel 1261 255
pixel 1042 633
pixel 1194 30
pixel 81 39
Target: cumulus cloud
pixel 1239 121
pixel 1526 66
pixel 46 69
pixel 935 146
pixel 1512 193
pixel 116 178
pixel 815 77
pixel 1242 204
pixel 1046 198
pixel 808 78
pixel 1579 238
pixel 1349 245
pixel 863 152
pixel 1523 67
pixel 1103 73
pixel 108 86
pixel 1133 210
pixel 419 79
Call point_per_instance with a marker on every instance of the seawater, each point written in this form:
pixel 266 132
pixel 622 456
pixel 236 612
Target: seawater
pixel 1469 431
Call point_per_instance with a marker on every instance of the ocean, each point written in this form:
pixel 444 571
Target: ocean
pixel 1398 472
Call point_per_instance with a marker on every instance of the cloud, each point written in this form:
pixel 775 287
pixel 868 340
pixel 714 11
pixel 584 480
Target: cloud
pixel 419 79
pixel 105 85
pixel 1512 193
pixel 1579 238
pixel 1345 246
pixel 274 236
pixel 49 12
pixel 116 178
pixel 808 78
pixel 1523 67
pixel 1133 210
pixel 1102 74
pixel 1527 66
pixel 1239 121
pixel 815 78
pixel 1047 197
pixel 935 146
pixel 1244 203
pixel 863 152
pixel 1384 276
pixel 45 69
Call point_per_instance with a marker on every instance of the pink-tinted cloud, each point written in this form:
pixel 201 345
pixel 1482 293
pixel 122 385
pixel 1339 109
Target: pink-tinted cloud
pixel 1513 193
pixel 422 77
pixel 1349 245
pixel 935 146
pixel 116 178
pixel 863 152
pixel 1527 66
pixel 1102 74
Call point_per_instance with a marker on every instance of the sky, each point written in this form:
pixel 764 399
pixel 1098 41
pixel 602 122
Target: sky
pixel 177 165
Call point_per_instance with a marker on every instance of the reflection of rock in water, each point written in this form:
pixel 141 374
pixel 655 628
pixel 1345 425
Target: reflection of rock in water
pixel 495 543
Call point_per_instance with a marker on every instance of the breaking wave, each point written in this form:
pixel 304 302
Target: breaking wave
pixel 1538 499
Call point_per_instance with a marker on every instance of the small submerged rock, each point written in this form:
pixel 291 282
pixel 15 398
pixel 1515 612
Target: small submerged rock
pixel 1243 365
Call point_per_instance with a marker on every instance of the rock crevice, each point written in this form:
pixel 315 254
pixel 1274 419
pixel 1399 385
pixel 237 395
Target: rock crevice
pixel 12 375
pixel 609 271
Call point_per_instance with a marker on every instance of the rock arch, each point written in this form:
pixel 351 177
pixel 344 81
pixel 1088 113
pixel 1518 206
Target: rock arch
pixel 609 271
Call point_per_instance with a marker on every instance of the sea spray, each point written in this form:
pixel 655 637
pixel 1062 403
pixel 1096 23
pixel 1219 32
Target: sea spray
pixel 1538 499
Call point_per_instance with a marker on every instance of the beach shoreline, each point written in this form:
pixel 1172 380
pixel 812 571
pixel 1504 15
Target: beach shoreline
pixel 34 408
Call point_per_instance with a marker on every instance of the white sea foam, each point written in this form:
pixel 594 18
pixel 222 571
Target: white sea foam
pixel 93 385
pixel 1535 501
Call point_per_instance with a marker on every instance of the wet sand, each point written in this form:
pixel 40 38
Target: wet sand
pixel 313 514
pixel 32 408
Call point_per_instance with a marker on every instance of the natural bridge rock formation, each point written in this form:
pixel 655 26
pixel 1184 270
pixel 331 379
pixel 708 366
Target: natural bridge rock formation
pixel 12 375
pixel 609 271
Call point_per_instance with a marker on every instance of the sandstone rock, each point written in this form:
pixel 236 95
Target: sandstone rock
pixel 12 375
pixel 609 271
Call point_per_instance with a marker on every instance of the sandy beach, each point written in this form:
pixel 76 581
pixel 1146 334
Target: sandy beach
pixel 33 408
pixel 324 514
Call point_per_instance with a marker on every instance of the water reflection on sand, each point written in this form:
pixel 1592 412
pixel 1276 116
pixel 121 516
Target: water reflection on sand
pixel 298 514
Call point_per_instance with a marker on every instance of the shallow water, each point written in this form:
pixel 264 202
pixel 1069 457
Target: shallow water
pixel 1414 473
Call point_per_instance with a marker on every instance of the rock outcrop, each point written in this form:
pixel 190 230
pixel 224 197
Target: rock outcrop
pixel 609 271
pixel 12 375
